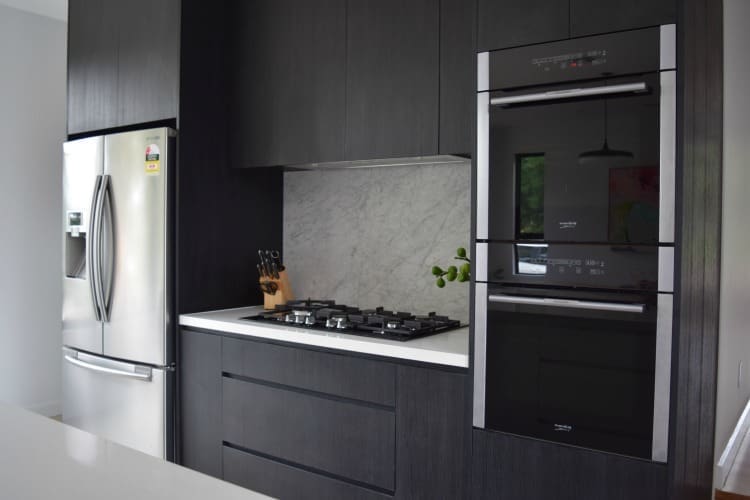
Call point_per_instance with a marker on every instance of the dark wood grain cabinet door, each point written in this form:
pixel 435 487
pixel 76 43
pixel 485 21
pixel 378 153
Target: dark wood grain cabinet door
pixel 287 73
pixel 505 466
pixel 123 63
pixel 433 434
pixel 509 23
pixel 392 78
pixel 200 402
pixel 588 17
pixel 92 65
pixel 457 76
pixel 148 61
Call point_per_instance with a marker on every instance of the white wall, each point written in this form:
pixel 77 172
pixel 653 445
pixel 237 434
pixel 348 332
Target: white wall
pixel 733 388
pixel 32 129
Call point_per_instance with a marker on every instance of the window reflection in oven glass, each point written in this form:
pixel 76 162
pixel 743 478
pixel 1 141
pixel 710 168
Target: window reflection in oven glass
pixel 530 196
pixel 531 258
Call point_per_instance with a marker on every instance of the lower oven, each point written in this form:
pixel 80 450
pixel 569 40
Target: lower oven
pixel 586 368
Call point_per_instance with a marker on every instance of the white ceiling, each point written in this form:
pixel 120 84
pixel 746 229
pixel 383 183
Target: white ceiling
pixel 56 9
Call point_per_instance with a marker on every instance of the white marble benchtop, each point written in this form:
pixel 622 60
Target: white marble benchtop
pixel 449 348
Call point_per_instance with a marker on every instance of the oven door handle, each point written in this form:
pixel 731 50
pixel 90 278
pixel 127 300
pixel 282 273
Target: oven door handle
pixel 553 95
pixel 568 303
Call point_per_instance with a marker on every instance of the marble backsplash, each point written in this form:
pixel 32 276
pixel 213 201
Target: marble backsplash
pixel 370 236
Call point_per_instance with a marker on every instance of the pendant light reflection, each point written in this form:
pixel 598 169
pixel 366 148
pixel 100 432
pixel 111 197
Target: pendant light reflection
pixel 605 153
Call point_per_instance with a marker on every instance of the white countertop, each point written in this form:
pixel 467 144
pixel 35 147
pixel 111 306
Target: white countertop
pixel 449 348
pixel 43 459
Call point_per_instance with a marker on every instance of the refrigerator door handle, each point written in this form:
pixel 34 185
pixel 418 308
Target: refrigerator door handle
pixel 98 282
pixel 136 372
pixel 91 249
pixel 106 281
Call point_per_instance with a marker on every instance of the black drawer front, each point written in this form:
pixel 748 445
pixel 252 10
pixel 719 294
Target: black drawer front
pixel 344 376
pixel 283 481
pixel 341 438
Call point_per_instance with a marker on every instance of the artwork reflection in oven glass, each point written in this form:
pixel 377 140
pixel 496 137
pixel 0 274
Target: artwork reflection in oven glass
pixel 634 204
pixel 530 196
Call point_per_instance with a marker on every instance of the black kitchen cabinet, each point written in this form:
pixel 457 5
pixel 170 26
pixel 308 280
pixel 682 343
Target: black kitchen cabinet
pixel 313 82
pixel 509 23
pixel 92 65
pixel 589 17
pixel 148 61
pixel 433 434
pixel 392 78
pixel 293 421
pixel 457 76
pixel 508 467
pixel 200 397
pixel 287 75
pixel 123 63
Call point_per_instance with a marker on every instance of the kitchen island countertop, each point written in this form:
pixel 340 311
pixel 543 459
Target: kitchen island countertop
pixel 449 348
pixel 44 459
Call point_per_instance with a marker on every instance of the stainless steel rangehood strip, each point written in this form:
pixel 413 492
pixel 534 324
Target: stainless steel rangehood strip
pixel 569 93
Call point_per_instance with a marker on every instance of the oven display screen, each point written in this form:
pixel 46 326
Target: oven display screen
pixel 571 60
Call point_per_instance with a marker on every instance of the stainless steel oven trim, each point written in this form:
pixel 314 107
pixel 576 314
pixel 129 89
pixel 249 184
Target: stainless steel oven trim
pixel 483 71
pixel 668 47
pixel 662 373
pixel 483 165
pixel 553 95
pixel 480 353
pixel 667 125
pixel 666 270
pixel 481 261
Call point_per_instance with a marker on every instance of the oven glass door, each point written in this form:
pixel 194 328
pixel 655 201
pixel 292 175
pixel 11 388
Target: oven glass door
pixel 583 168
pixel 577 369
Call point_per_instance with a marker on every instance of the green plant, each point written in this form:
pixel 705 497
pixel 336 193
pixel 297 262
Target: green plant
pixel 453 273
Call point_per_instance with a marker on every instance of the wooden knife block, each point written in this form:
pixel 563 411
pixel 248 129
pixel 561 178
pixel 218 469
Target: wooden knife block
pixel 283 292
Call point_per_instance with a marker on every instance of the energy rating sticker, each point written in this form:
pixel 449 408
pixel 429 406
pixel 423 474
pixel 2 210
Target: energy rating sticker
pixel 152 160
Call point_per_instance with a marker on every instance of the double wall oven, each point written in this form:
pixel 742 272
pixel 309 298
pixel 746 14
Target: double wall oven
pixel 575 241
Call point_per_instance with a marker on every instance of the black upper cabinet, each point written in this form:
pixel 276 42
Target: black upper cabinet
pixel 392 81
pixel 123 63
pixel 287 77
pixel 508 23
pixel 149 61
pixel 92 65
pixel 588 17
pixel 457 76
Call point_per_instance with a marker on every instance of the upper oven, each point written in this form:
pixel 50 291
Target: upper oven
pixel 576 141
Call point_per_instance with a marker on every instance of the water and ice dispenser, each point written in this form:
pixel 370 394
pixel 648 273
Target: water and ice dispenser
pixel 75 244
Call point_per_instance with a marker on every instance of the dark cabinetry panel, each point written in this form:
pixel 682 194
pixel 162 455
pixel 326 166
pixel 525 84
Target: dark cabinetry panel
pixel 433 434
pixel 148 61
pixel 287 78
pixel 511 467
pixel 508 23
pixel 339 375
pixel 123 63
pixel 337 437
pixel 283 481
pixel 588 17
pixel 200 401
pixel 92 65
pixel 392 78
pixel 457 76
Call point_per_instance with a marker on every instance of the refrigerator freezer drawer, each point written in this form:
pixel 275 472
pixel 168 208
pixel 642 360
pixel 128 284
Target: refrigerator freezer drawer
pixel 123 402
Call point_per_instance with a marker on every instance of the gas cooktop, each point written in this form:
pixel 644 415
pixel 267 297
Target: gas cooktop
pixel 328 316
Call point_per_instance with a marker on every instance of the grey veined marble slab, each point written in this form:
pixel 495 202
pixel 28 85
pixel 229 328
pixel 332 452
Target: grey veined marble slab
pixel 369 237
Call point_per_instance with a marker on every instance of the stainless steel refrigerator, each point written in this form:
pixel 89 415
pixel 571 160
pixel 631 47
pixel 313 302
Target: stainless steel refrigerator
pixel 118 312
